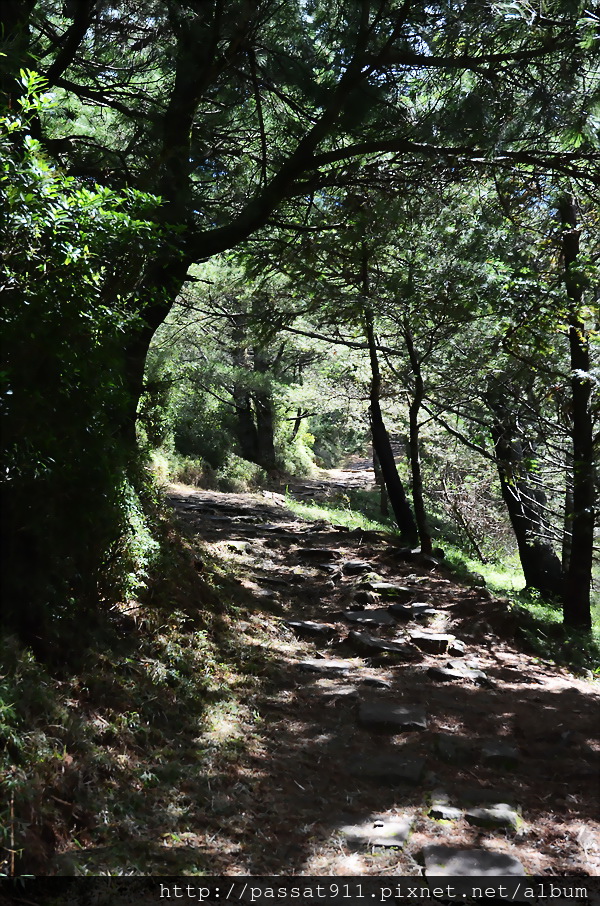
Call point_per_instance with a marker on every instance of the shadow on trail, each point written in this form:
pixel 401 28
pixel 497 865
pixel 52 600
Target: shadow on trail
pixel 238 760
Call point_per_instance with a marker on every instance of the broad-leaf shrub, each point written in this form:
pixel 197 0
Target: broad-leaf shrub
pixel 66 501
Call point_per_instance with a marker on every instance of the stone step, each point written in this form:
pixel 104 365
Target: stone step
pixel 380 832
pixel 416 611
pixel 370 645
pixel 500 816
pixel 452 674
pixel 453 862
pixel 326 665
pixel 389 589
pixel 311 629
pixel 355 567
pixel 376 617
pixel 500 755
pixel 441 810
pixel 389 717
pixel 431 643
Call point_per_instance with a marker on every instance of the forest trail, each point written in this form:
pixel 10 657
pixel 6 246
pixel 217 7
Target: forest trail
pixel 398 715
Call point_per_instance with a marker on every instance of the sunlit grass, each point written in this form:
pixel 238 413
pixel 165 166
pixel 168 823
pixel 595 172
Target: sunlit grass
pixel 346 516
pixel 501 576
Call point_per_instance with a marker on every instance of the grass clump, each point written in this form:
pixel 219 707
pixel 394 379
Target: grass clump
pixel 337 515
pixel 542 630
pixel 504 577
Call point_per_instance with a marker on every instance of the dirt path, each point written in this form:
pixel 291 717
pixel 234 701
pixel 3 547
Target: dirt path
pixel 371 749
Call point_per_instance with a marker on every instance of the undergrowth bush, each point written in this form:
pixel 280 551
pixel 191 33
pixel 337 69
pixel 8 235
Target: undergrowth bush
pixel 295 457
pixel 68 468
pixel 235 474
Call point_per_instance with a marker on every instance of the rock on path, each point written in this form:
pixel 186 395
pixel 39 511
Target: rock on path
pixel 380 832
pixel 387 717
pixel 451 862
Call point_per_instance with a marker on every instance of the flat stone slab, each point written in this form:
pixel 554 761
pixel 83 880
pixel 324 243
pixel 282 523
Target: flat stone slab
pixel 500 815
pixel 390 589
pixel 391 769
pixel 371 645
pixel 457 648
pixel 388 717
pixel 325 665
pixel 442 812
pixel 376 683
pixel 500 754
pixel 376 617
pixel 334 690
pixel 311 629
pixel 471 664
pixel 265 594
pixel 412 611
pixel 401 611
pixel 431 643
pixel 319 553
pixel 354 567
pixel 453 863
pixel 380 832
pixel 422 609
pixel 445 674
pixel 451 674
pixel 240 546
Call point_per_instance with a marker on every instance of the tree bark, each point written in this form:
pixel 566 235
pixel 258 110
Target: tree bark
pixel 577 612
pixel 414 443
pixel 568 514
pixel 152 294
pixel 245 424
pixel 265 415
pixel 263 405
pixel 383 448
pixel 541 566
pixel 383 498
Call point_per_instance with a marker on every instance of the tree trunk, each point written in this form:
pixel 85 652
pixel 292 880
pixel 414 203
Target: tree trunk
pixel 245 424
pixel 383 498
pixel 383 448
pixel 153 295
pixel 414 443
pixel 265 415
pixel 541 566
pixel 263 405
pixel 568 515
pixel 577 612
pixel 296 425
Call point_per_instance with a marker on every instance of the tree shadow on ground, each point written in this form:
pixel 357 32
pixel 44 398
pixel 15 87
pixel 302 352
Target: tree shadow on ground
pixel 210 750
